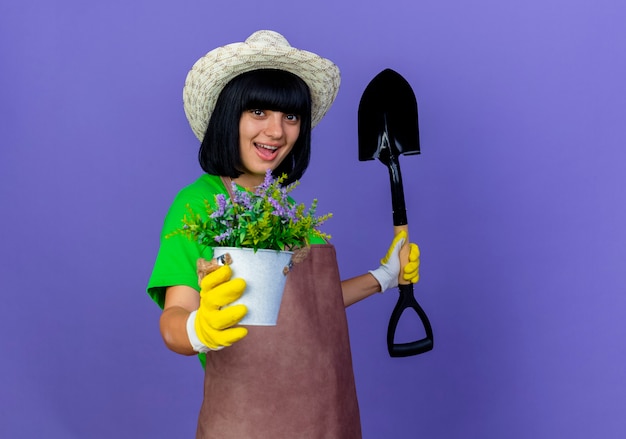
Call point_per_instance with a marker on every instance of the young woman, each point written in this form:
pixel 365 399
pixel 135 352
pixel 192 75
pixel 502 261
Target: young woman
pixel 253 106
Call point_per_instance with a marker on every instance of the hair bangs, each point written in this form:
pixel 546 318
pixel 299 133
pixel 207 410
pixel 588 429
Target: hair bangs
pixel 277 90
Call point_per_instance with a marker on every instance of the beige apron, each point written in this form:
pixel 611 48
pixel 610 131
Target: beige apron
pixel 292 380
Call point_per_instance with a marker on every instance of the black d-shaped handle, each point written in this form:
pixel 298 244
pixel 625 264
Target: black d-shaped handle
pixel 407 300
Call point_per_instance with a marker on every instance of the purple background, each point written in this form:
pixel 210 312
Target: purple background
pixel 517 202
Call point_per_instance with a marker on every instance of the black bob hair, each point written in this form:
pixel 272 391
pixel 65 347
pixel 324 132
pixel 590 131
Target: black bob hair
pixel 263 89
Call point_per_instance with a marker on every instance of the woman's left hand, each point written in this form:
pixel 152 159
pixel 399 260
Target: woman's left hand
pixel 388 273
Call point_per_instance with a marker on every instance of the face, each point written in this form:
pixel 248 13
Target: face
pixel 265 139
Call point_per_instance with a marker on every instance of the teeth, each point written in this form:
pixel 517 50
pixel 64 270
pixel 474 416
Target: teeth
pixel 271 148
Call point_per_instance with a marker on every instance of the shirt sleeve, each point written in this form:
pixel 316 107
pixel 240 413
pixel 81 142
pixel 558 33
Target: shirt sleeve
pixel 177 257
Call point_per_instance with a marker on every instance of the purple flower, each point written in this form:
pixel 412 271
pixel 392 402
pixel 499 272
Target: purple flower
pixel 267 182
pixel 220 200
pixel 291 213
pixel 279 210
pixel 224 236
pixel 243 199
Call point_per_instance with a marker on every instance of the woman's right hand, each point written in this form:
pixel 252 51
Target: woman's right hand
pixel 210 327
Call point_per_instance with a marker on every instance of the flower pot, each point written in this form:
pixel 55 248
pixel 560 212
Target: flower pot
pixel 265 273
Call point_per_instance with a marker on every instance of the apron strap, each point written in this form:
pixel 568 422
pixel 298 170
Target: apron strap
pixel 228 184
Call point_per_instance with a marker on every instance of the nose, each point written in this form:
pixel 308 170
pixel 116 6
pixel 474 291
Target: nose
pixel 274 127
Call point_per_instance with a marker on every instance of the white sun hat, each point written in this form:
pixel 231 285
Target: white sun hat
pixel 263 49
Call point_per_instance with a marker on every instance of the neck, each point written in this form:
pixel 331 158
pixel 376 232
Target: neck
pixel 248 181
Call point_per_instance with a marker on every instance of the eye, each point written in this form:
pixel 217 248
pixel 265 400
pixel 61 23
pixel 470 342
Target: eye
pixel 292 117
pixel 257 112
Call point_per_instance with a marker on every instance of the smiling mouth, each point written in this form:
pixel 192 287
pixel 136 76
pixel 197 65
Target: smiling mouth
pixel 267 152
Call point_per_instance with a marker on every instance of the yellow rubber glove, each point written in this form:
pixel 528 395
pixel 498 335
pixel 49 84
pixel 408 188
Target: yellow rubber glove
pixel 213 321
pixel 412 269
pixel 388 273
